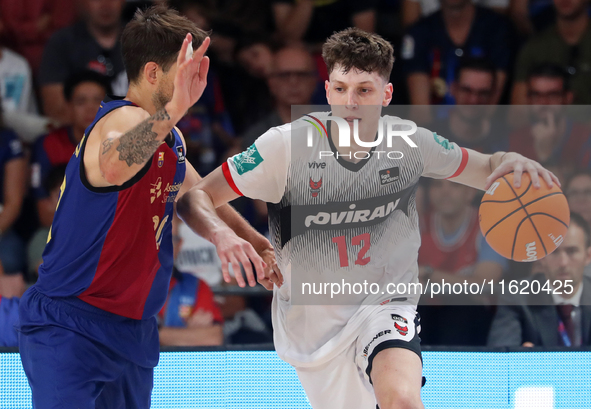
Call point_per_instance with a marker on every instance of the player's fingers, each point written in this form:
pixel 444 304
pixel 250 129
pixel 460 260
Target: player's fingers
pixel 225 271
pixel 547 176
pixel 257 261
pixel 200 52
pixel 554 178
pixel 183 52
pixel 278 273
pixel 533 174
pixel 237 271
pixel 203 69
pixel 517 172
pixel 247 268
pixel 265 282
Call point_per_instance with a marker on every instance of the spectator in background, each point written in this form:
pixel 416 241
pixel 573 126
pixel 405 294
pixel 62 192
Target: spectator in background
pixel 433 47
pixel 578 194
pixel 553 139
pixel 190 316
pixel 89 44
pixel 83 93
pixel 292 80
pixel 549 320
pixel 454 250
pixel 567 44
pixel 30 24
pixel 531 16
pixel 13 184
pixel 249 98
pixel 313 21
pixel 16 83
pixel 51 184
pixel 413 10
pixel 470 123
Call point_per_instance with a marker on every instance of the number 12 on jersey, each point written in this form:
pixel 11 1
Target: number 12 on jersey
pixel 360 240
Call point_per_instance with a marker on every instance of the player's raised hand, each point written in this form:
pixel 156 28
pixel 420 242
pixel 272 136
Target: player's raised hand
pixel 273 275
pixel 233 250
pixel 516 163
pixel 191 76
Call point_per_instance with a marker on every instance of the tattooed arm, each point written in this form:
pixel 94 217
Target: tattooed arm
pixel 129 136
pixel 123 154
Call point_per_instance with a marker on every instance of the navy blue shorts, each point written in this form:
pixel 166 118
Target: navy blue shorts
pixel 78 356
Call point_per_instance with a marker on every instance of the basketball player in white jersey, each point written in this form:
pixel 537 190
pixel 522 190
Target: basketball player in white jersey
pixel 332 215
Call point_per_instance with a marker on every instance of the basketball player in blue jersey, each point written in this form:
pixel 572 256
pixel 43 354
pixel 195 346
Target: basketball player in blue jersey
pixel 88 332
pixel 364 350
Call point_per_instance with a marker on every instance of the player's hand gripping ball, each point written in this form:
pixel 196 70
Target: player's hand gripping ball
pixel 524 224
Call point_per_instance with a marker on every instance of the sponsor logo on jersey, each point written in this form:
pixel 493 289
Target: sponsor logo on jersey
pixel 401 330
pixel 180 154
pixel 531 251
pixel 343 215
pixel 389 175
pixel 442 141
pixel 155 190
pixel 379 334
pixel 247 160
pixel 160 159
pixel 399 318
pixel 398 299
pixel 315 187
pixel 317 165
pixel 171 192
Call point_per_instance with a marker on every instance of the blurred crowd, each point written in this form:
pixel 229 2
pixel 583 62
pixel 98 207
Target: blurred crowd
pixel 60 58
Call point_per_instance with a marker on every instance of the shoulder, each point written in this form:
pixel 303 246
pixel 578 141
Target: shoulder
pixel 65 34
pixel 14 58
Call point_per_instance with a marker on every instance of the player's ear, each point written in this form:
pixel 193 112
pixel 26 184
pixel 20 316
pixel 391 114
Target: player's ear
pixel 327 89
pixel 151 72
pixel 388 91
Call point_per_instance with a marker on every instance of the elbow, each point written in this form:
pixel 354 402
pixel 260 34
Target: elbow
pixel 110 173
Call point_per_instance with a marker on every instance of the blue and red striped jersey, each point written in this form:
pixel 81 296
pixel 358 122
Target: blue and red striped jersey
pixel 112 246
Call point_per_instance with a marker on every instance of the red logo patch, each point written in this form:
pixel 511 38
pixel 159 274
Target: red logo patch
pixel 315 187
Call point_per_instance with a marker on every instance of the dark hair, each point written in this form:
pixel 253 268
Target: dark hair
pixel 156 35
pixel 548 70
pixel 582 223
pixel 355 48
pixel 247 40
pixel 480 64
pixel 85 76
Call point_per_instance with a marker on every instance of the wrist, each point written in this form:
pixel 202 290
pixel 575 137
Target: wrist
pixel 174 112
pixel 220 234
pixel 495 160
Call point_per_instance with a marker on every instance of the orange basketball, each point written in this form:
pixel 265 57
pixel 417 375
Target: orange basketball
pixel 524 224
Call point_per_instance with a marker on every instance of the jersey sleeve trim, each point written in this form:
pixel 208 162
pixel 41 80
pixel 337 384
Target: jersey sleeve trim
pixel 228 176
pixel 462 164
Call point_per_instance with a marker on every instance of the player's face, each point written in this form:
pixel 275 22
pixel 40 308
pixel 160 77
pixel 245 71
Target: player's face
pixel 568 261
pixel 578 194
pixel 165 87
pixel 449 198
pixel 85 102
pixel 358 95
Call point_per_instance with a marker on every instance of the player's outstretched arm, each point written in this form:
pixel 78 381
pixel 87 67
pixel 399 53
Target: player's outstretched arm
pixel 235 240
pixel 130 136
pixel 482 170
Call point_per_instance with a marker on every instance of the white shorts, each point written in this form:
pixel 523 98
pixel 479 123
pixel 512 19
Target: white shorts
pixel 344 381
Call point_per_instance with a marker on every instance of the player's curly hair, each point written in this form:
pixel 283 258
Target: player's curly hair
pixel 355 48
pixel 156 35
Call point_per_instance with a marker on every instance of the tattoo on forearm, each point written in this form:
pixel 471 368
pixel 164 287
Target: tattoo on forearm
pixel 139 144
pixel 107 144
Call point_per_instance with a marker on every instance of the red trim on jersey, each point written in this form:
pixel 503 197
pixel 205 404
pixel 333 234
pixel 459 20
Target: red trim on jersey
pixel 462 164
pixel 229 179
